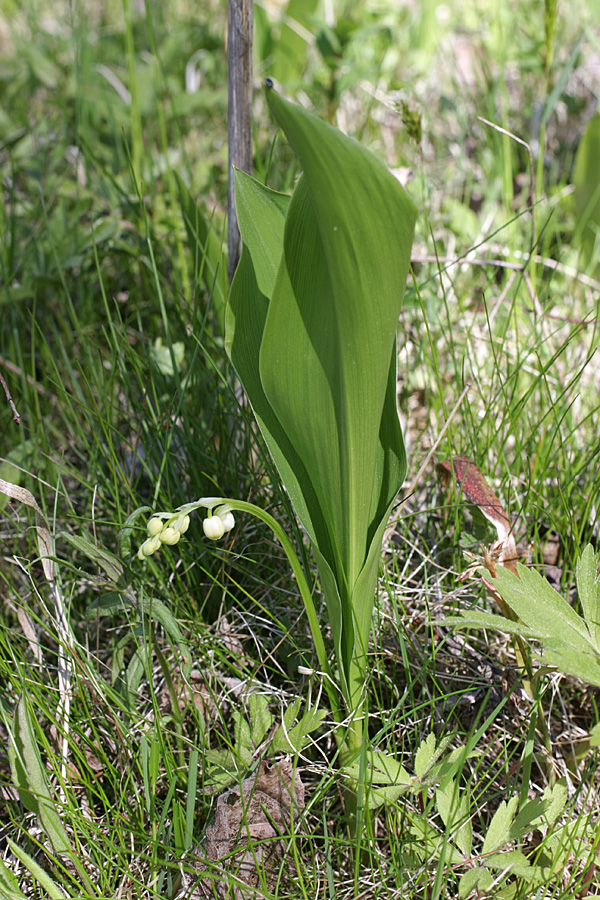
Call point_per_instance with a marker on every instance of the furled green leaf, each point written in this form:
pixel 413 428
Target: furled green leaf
pixel 311 329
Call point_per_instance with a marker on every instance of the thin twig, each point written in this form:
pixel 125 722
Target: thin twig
pixel 16 415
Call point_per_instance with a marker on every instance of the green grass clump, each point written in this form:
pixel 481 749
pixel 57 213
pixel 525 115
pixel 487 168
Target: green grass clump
pixel 140 682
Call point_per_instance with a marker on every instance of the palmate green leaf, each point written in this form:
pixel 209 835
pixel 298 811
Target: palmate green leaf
pixel 311 332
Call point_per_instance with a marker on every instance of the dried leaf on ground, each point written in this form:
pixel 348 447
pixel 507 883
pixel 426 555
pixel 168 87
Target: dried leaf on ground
pixel 244 844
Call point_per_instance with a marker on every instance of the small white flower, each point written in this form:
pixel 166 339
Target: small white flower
pixel 213 527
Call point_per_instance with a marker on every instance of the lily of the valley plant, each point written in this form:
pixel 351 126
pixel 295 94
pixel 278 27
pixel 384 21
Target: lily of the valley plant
pixel 311 331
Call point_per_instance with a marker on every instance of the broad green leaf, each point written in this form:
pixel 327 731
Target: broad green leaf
pixel 40 875
pixel 330 329
pixel 588 589
pixel 311 329
pixel 29 776
pixel 595 736
pixel 112 565
pixel 498 833
pixel 586 194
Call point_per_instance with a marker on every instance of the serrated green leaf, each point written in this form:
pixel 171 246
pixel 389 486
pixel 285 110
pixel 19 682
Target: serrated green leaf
pixel 425 755
pixel 584 665
pixel 498 833
pixel 530 816
pixel 475 619
pixel 512 860
pixel 260 717
pixel 454 808
pixel 387 779
pixel 475 878
pixel 539 607
pixel 40 875
pixel 556 799
pixel 300 733
pixel 588 589
pixel 434 843
pixel 428 754
pixel 243 736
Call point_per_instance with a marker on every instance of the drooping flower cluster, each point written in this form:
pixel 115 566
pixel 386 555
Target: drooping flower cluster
pixel 167 527
pixel 163 528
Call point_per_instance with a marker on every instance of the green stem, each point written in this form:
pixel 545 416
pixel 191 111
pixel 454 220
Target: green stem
pixel 309 606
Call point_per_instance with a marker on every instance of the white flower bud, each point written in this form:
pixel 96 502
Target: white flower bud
pixel 149 547
pixel 228 521
pixel 155 526
pixel 181 524
pixel 169 536
pixel 213 528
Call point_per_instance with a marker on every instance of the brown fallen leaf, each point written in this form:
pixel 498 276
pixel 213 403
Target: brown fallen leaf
pixel 473 486
pixel 244 845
